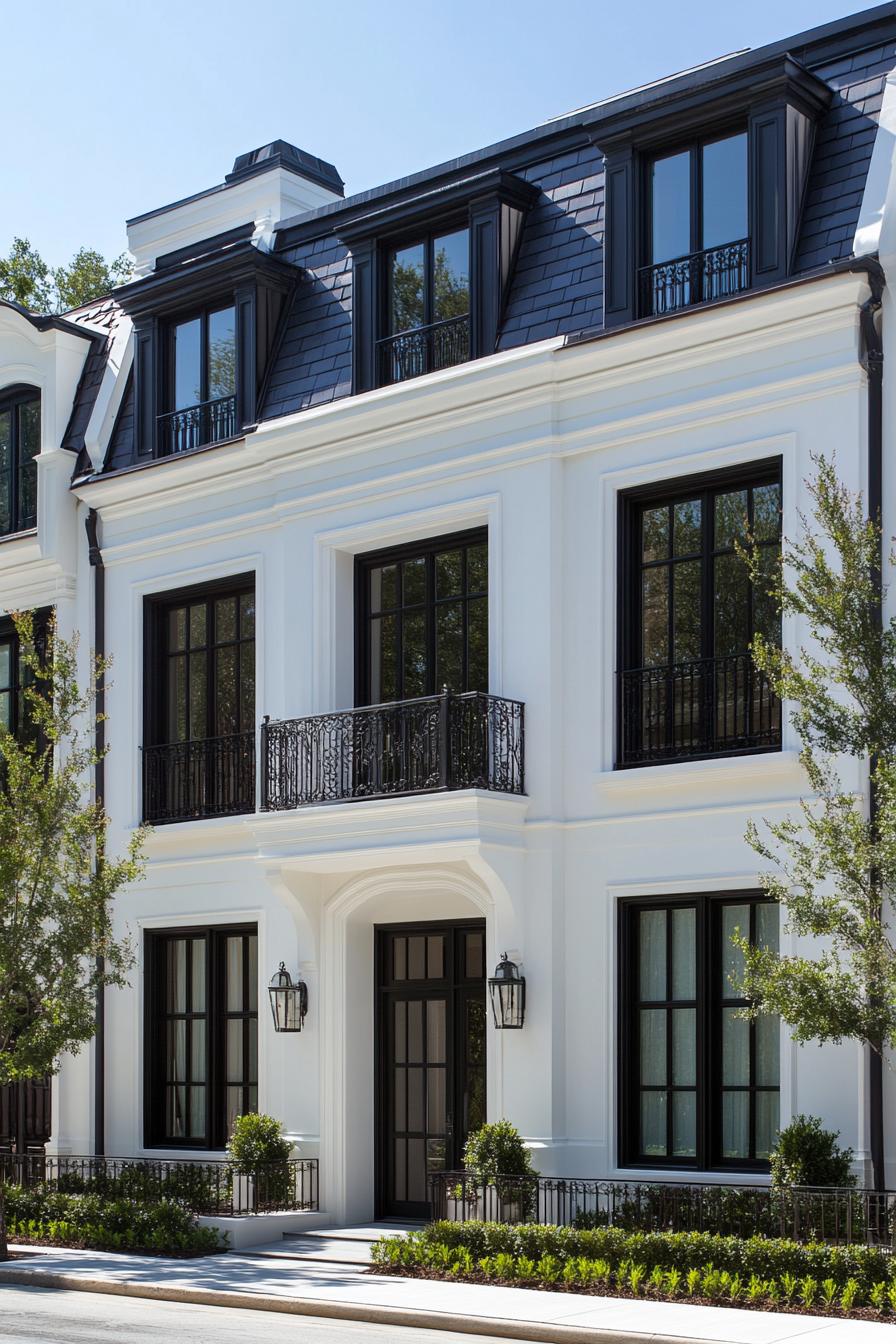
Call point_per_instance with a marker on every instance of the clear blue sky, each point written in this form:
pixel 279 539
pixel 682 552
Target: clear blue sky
pixel 114 108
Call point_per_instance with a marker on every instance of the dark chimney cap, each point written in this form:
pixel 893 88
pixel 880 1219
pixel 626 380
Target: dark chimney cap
pixel 281 154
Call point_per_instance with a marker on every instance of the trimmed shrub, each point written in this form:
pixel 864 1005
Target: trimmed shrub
pixel 686 1252
pixel 496 1149
pixel 807 1154
pixel 258 1149
pixel 94 1221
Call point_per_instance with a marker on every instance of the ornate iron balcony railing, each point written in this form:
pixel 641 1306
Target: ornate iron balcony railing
pixel 193 426
pixel 438 742
pixel 715 273
pixel 423 350
pixel 710 707
pixel 212 777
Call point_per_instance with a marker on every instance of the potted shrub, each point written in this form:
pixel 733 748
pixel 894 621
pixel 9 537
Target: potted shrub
pixel 259 1164
pixel 812 1180
pixel 461 1202
pixel 497 1158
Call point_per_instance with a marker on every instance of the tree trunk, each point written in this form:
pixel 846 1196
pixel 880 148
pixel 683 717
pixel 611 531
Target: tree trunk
pixel 4 1249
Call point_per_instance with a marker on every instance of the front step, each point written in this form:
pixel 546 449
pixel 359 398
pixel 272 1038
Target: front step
pixel 339 1246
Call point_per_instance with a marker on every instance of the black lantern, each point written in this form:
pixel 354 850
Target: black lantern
pixel 289 1002
pixel 508 994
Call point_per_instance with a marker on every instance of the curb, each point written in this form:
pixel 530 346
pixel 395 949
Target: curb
pixel 496 1327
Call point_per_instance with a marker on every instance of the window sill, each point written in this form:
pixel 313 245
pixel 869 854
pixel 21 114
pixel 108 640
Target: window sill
pixel 22 535
pixel 757 1176
pixel 780 766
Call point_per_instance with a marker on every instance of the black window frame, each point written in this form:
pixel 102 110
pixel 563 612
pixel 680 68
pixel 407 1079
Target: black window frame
pixel 202 314
pixel 426 549
pixel 12 399
pixel 155 682
pixel 426 237
pixel 9 635
pixel 631 504
pixel 215 1015
pixel 709 1002
pixel 693 146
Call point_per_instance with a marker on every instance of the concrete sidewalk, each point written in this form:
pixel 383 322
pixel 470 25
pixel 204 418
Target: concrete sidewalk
pixel 271 1279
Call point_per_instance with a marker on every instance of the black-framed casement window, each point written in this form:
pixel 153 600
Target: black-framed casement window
pixel 423 619
pixel 201 1034
pixel 697 244
pixel 201 381
pixel 700 1083
pixel 14 675
pixel 688 613
pixel 427 296
pixel 199 757
pixel 19 447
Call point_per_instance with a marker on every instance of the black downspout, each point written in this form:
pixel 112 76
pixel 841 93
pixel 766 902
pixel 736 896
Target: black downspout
pixel 95 557
pixel 872 360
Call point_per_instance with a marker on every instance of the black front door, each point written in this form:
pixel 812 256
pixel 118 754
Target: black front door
pixel 431 1034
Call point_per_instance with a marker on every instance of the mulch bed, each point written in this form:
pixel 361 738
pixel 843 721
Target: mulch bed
pixel 605 1290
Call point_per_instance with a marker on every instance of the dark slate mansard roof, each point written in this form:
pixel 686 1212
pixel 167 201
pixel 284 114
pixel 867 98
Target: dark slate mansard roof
pixel 556 288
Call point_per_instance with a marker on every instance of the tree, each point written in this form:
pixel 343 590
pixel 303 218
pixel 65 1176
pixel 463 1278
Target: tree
pixel 26 279
pixel 88 276
pixel 57 884
pixel 834 864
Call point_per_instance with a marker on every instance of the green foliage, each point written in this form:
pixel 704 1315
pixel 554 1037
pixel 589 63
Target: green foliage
pixel 258 1149
pixel 57 883
pixel 808 1154
pixel 87 277
pixel 496 1149
pixel 689 1254
pixel 26 279
pixel 100 1223
pixel 761 1272
pixel 832 867
pixel 256 1140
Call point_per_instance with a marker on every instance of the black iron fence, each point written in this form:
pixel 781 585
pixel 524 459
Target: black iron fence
pixel 211 1188
pixel 193 426
pixel 423 350
pixel 701 708
pixel 800 1213
pixel 437 742
pixel 714 273
pixel 211 777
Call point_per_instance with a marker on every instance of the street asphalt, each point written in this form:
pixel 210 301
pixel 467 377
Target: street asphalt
pixel 54 1316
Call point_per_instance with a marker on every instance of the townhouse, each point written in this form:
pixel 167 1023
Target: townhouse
pixel 409 520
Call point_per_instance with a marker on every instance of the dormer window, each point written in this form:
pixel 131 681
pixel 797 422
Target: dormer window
pixel 428 317
pixel 697 227
pixel 202 382
pixel 19 447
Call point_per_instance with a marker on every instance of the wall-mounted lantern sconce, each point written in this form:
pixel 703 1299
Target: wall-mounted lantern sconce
pixel 508 994
pixel 289 1002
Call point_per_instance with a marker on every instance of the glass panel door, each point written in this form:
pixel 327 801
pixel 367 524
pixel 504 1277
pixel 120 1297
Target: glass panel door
pixel 432 1068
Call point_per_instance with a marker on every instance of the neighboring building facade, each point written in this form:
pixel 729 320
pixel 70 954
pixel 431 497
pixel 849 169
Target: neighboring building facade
pixel 409 521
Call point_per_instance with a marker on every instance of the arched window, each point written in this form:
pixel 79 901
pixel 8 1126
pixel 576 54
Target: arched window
pixel 19 446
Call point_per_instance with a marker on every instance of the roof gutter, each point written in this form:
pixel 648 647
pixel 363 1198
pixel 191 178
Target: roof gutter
pixel 872 361
pixel 95 556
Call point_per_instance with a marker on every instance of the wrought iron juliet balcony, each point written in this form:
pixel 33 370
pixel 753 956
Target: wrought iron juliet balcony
pixel 213 777
pixel 436 743
pixel 193 426
pixel 711 707
pixel 715 273
pixel 423 350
